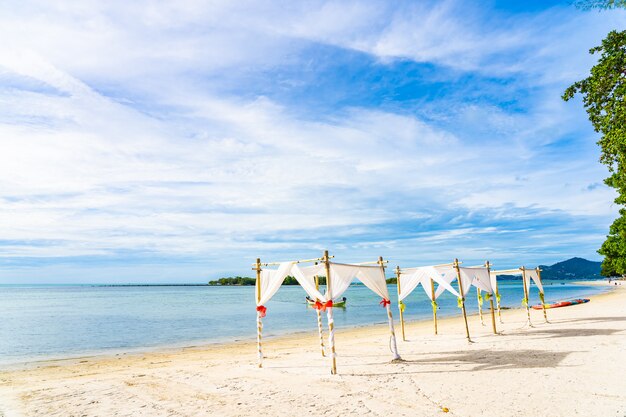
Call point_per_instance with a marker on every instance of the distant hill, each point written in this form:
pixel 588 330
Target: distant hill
pixel 575 268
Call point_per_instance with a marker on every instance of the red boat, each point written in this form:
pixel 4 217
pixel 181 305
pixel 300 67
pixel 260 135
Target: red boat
pixel 562 303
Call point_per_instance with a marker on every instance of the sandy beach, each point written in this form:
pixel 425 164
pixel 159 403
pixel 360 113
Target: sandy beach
pixel 575 365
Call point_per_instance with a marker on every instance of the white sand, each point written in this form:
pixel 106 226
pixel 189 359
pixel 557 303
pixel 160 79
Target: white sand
pixel 574 366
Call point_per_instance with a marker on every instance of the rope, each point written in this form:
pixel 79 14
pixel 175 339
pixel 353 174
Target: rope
pixel 392 338
pixel 321 331
pixel 331 337
pixel 259 328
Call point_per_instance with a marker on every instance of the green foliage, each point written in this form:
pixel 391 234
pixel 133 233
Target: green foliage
pixel 234 281
pixel 614 248
pixel 600 4
pixel 392 280
pixel 603 95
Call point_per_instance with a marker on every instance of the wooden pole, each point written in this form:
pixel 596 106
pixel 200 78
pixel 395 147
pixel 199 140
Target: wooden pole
pixel 543 300
pixel 319 318
pixel 497 295
pixel 480 307
pixel 433 302
pixel 400 303
pixel 458 275
pixel 394 344
pixel 526 296
pixel 329 315
pixel 259 322
pixel 493 315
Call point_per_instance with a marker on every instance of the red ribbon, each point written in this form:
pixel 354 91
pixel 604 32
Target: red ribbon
pixel 262 311
pixel 384 302
pixel 322 307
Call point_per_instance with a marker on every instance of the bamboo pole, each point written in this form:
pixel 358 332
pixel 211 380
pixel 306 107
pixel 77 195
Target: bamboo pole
pixel 400 303
pixel 543 300
pixel 497 295
pixel 480 307
pixel 259 322
pixel 493 315
pixel 394 344
pixel 526 296
pixel 319 318
pixel 458 275
pixel 433 302
pixel 295 262
pixel 329 315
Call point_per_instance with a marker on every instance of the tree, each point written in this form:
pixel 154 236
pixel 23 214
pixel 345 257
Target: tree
pixel 603 97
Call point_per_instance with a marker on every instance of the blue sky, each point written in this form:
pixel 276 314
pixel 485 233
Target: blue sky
pixel 147 142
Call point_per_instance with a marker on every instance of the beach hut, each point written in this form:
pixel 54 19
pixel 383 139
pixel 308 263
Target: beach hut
pixel 338 279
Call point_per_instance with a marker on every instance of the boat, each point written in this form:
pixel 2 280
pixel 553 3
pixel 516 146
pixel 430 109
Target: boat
pixel 339 303
pixel 562 303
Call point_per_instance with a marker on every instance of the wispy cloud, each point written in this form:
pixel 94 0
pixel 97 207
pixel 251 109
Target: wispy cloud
pixel 144 141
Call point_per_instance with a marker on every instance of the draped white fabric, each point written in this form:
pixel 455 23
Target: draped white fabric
pixel 374 278
pixel 307 283
pixel 422 275
pixel 448 274
pixel 532 274
pixel 341 276
pixel 478 277
pixel 272 279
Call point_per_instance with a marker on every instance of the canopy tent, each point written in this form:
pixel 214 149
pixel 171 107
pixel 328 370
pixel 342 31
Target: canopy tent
pixel 527 276
pixel 480 277
pixel 338 278
pixel 408 279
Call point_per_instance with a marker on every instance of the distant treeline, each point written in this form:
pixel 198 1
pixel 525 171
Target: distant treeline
pixel 289 280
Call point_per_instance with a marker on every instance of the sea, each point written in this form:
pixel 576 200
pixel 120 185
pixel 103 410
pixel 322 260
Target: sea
pixel 43 322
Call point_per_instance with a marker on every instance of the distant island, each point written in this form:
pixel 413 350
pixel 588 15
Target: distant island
pixel 242 281
pixel 574 269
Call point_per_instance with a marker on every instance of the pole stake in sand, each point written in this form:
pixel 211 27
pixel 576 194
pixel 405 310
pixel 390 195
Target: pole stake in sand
pixel 329 315
pixel 400 303
pixel 542 296
pixel 458 276
pixel 493 315
pixel 319 319
pixel 433 302
pixel 259 322
pixel 526 300
pixel 393 343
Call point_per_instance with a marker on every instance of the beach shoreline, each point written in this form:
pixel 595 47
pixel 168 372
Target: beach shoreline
pixel 269 335
pixel 528 370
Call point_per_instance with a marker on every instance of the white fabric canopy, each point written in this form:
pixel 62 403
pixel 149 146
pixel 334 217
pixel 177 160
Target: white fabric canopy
pixel 448 274
pixel 342 275
pixel 532 274
pixel 272 279
pixel 414 276
pixel 478 277
pixel 374 278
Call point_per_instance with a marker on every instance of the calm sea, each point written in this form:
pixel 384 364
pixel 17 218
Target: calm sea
pixel 45 322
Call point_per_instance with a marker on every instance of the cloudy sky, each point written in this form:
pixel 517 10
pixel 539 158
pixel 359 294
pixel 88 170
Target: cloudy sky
pixel 146 141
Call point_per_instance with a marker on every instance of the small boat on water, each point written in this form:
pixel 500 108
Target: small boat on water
pixel 338 303
pixel 562 303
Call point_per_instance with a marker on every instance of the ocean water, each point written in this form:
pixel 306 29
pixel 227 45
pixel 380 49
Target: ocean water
pixel 46 322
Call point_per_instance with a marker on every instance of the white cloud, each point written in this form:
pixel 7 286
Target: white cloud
pixel 114 139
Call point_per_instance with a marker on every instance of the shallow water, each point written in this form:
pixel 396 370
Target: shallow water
pixel 44 322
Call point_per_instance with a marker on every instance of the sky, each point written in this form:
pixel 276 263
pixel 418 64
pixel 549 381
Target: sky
pixel 151 141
